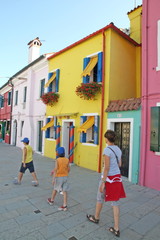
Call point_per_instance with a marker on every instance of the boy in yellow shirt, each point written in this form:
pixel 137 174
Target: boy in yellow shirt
pixel 27 162
pixel 60 178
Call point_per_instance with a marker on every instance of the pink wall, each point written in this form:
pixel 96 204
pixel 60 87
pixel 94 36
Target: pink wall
pixel 150 162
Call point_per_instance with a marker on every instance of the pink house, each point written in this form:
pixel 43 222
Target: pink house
pixel 150 148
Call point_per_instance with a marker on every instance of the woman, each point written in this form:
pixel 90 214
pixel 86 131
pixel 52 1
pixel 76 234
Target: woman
pixel 110 186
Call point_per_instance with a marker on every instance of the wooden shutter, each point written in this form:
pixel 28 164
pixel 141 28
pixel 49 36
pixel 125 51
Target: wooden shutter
pixel 48 129
pixel 96 130
pixel 100 61
pixel 50 85
pixel 57 80
pixel 155 129
pixel 82 134
pixel 85 63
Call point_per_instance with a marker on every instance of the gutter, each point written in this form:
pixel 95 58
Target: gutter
pixel 10 83
pixel 145 101
pixel 102 105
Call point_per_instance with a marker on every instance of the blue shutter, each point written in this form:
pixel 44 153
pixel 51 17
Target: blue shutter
pixel 96 130
pixel 55 126
pixel 57 80
pixel 100 61
pixel 48 129
pixel 85 63
pixel 82 134
pixel 50 85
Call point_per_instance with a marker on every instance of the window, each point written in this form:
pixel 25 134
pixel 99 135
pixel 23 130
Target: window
pixel 42 83
pixel 22 124
pixel 155 129
pixel 1 101
pixel 92 68
pixel 53 81
pixel 9 98
pixel 89 129
pixel 158 45
pixel 50 127
pixel 16 98
pixel 25 95
pixel 8 127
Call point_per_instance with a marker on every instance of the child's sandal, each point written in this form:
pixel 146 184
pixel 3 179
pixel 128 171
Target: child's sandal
pixel 116 233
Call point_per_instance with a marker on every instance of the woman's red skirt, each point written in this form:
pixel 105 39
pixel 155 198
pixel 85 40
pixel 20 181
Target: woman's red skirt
pixel 115 190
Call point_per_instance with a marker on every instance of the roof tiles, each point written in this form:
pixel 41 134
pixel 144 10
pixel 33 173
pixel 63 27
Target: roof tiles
pixel 124 105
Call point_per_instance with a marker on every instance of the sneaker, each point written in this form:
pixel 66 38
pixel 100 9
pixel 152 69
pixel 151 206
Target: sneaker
pixel 35 184
pixel 15 181
pixel 50 201
pixel 62 208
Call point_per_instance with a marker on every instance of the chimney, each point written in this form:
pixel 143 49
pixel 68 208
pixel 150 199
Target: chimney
pixel 34 49
pixel 135 17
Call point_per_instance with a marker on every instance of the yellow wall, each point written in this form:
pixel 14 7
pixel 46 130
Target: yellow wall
pixel 120 83
pixel 49 149
pixel 122 80
pixel 70 64
pixel 135 18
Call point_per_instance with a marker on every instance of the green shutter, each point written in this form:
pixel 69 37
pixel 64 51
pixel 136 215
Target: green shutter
pixel 155 129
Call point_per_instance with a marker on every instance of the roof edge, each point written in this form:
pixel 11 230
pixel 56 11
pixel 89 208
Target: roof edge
pixel 111 25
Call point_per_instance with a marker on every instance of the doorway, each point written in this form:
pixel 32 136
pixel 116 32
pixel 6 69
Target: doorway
pixel 14 139
pixel 124 131
pixel 40 136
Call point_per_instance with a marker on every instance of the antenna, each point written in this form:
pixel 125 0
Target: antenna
pixel 135 3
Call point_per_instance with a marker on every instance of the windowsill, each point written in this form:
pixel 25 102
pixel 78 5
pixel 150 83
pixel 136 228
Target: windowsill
pixel 158 68
pixel 157 153
pixel 51 139
pixel 89 144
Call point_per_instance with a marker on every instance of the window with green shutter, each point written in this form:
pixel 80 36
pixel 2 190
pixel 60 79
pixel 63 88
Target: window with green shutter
pixel 155 129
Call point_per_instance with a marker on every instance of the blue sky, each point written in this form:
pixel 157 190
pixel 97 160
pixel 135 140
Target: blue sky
pixel 58 23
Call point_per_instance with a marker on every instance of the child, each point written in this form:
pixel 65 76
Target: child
pixel 60 178
pixel 27 162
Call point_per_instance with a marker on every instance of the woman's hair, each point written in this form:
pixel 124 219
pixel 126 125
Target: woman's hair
pixel 110 135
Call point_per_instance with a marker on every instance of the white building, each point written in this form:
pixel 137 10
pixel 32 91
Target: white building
pixel 28 111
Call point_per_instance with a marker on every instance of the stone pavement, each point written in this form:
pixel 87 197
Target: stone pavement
pixel 25 213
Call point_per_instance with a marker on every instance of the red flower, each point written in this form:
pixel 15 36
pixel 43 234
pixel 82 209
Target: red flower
pixel 50 98
pixel 88 90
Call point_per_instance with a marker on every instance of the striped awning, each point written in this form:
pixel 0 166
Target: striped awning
pixel 86 125
pixel 52 78
pixel 92 63
pixel 48 125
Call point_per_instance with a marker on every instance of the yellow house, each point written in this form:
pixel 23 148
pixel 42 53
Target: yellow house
pixel 104 59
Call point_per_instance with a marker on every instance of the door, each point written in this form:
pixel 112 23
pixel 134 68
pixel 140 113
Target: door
pixel 40 136
pixel 122 130
pixel 14 139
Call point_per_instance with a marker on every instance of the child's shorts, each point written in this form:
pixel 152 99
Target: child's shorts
pixel 61 184
pixel 29 165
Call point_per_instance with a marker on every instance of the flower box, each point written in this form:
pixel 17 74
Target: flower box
pixel 88 90
pixel 50 98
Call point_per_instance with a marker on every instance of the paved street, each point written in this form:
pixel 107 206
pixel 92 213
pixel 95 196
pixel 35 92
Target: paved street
pixel 25 213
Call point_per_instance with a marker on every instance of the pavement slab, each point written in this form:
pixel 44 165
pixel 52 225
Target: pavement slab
pixel 26 215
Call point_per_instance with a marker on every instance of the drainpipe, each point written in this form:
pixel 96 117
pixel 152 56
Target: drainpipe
pixel 145 101
pixel 102 106
pixel 10 83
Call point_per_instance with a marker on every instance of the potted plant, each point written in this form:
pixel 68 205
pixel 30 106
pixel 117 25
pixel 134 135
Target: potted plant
pixel 88 90
pixel 50 98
